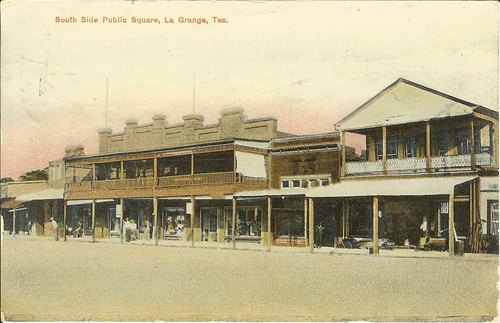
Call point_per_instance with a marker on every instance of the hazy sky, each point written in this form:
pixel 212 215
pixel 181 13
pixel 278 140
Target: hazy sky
pixel 306 63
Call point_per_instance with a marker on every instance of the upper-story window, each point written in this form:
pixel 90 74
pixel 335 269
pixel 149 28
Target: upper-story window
pixel 138 168
pixel 410 147
pixel 391 146
pixel 300 181
pixel 107 171
pixel 463 142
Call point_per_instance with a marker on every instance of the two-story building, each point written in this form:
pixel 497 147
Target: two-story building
pixel 431 170
pixel 179 179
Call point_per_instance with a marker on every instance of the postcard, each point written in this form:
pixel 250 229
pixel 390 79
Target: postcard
pixel 249 160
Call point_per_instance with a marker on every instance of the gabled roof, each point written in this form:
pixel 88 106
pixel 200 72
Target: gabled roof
pixel 406 102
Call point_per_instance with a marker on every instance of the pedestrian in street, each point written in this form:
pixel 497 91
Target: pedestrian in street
pixel 55 228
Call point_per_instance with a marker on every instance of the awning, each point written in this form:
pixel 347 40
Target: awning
pixel 392 187
pixel 82 202
pixel 48 194
pixel 252 165
pixel 274 192
pixel 11 204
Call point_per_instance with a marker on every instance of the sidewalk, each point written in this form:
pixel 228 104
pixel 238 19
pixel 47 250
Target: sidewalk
pixel 257 247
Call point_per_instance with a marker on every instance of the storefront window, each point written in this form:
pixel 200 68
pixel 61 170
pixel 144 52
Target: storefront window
pixel 249 222
pixel 174 222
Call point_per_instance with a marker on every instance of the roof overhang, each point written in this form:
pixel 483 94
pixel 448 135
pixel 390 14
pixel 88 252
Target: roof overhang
pixel 273 192
pixel 83 202
pixel 422 186
pixel 48 194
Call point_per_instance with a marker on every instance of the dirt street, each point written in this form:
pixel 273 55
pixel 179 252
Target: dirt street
pixel 44 280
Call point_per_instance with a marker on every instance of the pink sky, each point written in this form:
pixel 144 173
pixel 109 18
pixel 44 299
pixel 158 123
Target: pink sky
pixel 306 63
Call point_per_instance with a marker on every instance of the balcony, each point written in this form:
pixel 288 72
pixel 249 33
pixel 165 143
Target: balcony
pixel 168 181
pixel 418 165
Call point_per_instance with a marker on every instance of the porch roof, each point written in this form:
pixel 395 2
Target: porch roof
pixel 294 191
pixel 405 102
pixel 48 194
pixel 427 186
pixel 83 202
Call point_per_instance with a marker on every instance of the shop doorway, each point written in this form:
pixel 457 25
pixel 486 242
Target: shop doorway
pixel 210 217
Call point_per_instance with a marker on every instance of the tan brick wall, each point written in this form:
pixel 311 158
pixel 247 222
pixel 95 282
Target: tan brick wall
pixel 158 134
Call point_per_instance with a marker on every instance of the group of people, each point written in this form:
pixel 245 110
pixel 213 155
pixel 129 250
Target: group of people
pixel 130 229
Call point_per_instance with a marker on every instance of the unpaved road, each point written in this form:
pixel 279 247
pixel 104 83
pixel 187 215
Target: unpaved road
pixel 44 280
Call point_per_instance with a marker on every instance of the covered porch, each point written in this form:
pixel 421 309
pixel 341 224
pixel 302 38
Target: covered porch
pixel 405 210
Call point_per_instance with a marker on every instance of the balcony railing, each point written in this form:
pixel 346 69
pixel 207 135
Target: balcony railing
pixel 169 181
pixel 362 167
pixel 197 179
pixel 411 164
pixel 415 165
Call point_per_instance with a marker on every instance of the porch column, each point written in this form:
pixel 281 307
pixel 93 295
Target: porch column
pixel 375 226
pixel 471 219
pixel 345 219
pixel 451 227
pixel 155 201
pixel 121 218
pixel 155 213
pixel 93 172
pixel 384 149
pixel 344 166
pixel 13 222
pixel 192 219
pixel 428 146
pixel 472 145
pixel 64 218
pixel 311 225
pixel 305 220
pixel 270 239
pixel 93 220
pixel 438 220
pixel 233 230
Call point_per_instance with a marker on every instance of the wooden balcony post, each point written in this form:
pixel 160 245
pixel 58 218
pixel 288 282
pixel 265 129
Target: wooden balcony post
pixel 344 165
pixel 384 149
pixel 428 145
pixel 375 226
pixel 270 239
pixel 451 227
pixel 233 231
pixel 93 220
pixel 155 172
pixel 93 173
pixel 472 145
pixel 192 168
pixel 311 225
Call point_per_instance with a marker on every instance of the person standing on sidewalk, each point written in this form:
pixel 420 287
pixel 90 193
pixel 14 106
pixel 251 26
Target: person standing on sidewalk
pixel 55 228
